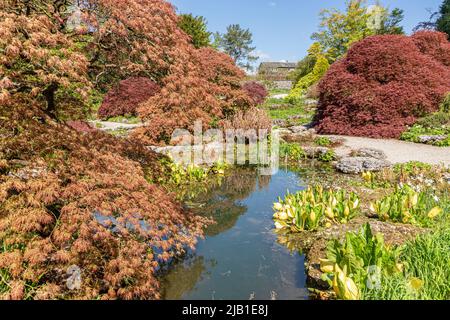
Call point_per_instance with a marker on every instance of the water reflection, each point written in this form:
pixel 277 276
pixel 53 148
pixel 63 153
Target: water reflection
pixel 241 257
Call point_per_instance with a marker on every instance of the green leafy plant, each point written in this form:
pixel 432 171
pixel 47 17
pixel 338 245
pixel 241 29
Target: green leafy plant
pixel 178 175
pixel 328 156
pixel 405 205
pixel 292 152
pixel 323 142
pixel 412 167
pixel 357 258
pixel 314 208
pixel 416 132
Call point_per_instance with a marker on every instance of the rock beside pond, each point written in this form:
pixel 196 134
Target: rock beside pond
pixel 298 129
pixel 370 153
pixel 357 165
pixel 315 152
pixel 394 234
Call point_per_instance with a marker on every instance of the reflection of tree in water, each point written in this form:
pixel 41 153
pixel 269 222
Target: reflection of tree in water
pixel 182 278
pixel 222 202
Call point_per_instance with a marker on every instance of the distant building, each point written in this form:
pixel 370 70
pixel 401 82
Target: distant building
pixel 277 73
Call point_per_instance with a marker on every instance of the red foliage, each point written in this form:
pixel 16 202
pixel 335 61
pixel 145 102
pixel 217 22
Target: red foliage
pixel 205 86
pixel 81 126
pixel 38 60
pixel 434 44
pixel 68 199
pixel 251 119
pixel 125 98
pixel 383 85
pixel 256 91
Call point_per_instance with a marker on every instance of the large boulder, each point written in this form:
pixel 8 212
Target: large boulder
pixel 358 165
pixel 370 153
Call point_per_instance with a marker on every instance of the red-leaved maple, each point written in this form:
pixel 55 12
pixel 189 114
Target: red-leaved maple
pixel 384 84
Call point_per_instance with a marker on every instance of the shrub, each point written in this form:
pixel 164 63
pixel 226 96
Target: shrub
pixel 320 68
pixel 82 200
pixel 252 119
pixel 256 91
pixel 207 89
pixel 383 85
pixel 125 98
pixel 81 126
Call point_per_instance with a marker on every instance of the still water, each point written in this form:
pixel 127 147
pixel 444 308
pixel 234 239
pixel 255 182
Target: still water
pixel 240 258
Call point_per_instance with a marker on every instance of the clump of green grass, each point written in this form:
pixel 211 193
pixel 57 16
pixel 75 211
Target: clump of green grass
pixel 426 274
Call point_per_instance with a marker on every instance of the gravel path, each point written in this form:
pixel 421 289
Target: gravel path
pixel 398 151
pixel 111 126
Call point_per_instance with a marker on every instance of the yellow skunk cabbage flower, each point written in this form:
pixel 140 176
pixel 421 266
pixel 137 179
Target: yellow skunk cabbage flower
pixel 414 199
pixel 291 212
pixel 326 266
pixel 344 287
pixel 278 225
pixel 352 291
pixel 278 207
pixel 355 204
pixel 434 212
pixel 399 267
pixel 372 208
pixel 313 216
pixel 334 202
pixel 283 216
pixel 347 211
pixel 367 176
pixel 329 213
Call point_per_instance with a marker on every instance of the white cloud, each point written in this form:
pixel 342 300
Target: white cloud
pixel 263 56
pixel 272 4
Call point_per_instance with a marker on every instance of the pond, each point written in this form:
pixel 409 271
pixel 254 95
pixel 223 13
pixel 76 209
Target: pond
pixel 240 258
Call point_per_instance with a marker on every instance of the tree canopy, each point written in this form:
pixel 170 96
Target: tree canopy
pixel 237 42
pixel 196 28
pixel 443 22
pixel 339 30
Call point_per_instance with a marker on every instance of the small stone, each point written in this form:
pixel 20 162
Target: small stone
pixel 370 153
pixel 315 152
pixel 358 165
pixel 431 139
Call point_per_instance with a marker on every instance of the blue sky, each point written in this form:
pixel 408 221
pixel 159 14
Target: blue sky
pixel 282 28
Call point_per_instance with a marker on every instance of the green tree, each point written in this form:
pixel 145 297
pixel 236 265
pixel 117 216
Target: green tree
pixel 443 22
pixel 319 69
pixel 339 30
pixel 237 42
pixel 196 27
